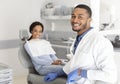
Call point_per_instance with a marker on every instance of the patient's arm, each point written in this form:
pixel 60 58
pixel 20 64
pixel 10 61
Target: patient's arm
pixel 53 57
pixel 42 60
pixel 56 61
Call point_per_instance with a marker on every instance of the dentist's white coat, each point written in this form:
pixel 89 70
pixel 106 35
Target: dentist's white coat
pixel 94 54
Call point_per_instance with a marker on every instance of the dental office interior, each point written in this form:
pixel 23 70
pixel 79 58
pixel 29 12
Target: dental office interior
pixel 16 15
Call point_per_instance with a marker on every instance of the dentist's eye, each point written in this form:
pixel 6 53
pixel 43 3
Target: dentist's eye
pixel 73 17
pixel 81 17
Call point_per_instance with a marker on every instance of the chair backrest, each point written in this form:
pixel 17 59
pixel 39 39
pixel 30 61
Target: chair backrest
pixel 22 54
pixel 24 57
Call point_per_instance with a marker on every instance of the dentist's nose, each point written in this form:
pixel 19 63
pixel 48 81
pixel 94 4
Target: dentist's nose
pixel 75 20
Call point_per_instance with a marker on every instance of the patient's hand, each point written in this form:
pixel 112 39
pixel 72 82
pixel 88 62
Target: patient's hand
pixel 57 62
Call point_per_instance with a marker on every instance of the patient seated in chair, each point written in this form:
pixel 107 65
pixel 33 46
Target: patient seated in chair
pixel 41 52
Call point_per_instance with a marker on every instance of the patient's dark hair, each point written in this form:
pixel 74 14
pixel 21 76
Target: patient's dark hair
pixel 85 7
pixel 33 25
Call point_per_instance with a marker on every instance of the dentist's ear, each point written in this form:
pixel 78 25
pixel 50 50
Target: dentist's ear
pixel 90 19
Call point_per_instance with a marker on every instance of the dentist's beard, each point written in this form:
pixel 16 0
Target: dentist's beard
pixel 83 27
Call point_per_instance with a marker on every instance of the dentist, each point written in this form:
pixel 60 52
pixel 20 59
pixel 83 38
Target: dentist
pixel 92 54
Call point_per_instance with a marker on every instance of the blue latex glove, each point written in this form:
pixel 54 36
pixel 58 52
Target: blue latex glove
pixel 72 76
pixel 50 77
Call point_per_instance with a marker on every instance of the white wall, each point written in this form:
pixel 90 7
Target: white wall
pixel 15 15
pixel 117 60
pixel 117 13
pixel 109 12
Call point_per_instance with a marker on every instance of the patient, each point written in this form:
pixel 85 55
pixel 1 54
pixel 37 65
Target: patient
pixel 41 52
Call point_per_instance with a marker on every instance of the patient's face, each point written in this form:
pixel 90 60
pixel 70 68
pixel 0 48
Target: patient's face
pixel 36 32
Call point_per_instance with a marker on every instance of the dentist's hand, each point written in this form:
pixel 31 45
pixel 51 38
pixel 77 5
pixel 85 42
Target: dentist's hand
pixel 50 77
pixel 73 75
pixel 76 74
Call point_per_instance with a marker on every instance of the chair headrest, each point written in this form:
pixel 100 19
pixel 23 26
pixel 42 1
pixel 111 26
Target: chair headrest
pixel 23 34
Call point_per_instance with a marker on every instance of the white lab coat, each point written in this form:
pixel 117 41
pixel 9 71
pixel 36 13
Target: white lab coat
pixel 94 54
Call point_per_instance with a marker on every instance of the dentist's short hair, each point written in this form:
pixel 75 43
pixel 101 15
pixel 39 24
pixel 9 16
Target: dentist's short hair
pixel 85 7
